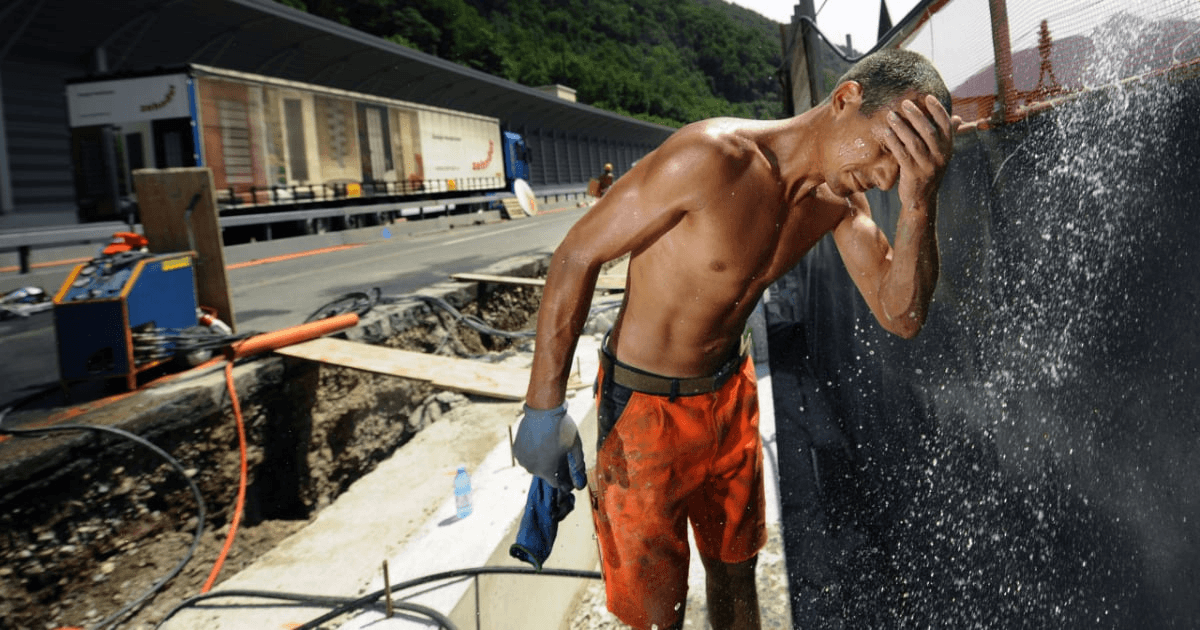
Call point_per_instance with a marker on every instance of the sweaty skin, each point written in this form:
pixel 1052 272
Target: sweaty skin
pixel 717 213
pixel 726 206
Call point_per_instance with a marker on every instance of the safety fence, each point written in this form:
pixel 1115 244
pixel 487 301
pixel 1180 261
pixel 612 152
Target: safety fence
pixel 1043 52
pixel 246 197
pixel 25 241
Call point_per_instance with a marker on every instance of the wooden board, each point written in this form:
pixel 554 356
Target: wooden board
pixel 605 283
pixel 473 377
pixel 163 199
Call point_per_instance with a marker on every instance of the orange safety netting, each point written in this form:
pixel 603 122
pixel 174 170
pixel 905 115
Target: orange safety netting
pixel 1056 47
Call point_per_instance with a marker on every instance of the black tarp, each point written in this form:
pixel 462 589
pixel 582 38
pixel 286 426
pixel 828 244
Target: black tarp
pixel 1029 460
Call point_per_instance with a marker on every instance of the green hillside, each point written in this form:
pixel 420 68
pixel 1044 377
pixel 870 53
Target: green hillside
pixel 665 61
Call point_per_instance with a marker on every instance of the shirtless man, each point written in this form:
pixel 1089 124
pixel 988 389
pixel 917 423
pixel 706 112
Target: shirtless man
pixel 711 218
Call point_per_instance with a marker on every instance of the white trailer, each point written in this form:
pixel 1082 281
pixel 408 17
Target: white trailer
pixel 273 143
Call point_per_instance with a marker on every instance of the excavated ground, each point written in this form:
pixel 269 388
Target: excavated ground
pixel 78 544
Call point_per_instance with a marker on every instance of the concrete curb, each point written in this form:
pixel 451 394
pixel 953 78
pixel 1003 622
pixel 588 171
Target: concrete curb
pixel 340 552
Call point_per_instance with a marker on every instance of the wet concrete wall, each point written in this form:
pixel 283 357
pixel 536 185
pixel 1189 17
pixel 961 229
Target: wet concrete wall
pixel 1029 460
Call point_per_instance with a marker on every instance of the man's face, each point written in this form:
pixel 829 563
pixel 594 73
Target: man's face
pixel 859 158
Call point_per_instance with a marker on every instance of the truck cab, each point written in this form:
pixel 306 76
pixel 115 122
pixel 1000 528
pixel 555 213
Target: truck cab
pixel 517 157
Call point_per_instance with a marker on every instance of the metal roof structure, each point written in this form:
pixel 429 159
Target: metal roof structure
pixel 265 37
pixel 45 42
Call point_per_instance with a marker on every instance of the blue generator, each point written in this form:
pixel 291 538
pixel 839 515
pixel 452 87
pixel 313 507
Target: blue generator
pixel 104 301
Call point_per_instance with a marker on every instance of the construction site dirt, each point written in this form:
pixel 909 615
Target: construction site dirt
pixel 105 519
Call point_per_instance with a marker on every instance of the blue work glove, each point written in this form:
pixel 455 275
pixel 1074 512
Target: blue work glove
pixel 544 508
pixel 548 446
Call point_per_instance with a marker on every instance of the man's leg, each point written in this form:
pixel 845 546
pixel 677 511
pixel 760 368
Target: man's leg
pixel 732 594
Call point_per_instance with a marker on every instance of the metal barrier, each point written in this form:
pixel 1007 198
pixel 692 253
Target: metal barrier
pixel 25 241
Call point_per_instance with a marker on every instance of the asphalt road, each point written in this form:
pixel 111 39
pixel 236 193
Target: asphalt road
pixel 280 294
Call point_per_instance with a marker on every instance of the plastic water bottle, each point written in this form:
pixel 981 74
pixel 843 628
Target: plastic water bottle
pixel 462 492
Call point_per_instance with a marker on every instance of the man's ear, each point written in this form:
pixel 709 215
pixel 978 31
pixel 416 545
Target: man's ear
pixel 848 94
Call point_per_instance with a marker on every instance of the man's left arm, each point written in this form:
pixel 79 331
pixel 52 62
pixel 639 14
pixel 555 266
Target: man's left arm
pixel 898 281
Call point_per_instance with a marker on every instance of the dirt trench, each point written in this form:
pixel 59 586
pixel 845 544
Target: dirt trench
pixel 79 544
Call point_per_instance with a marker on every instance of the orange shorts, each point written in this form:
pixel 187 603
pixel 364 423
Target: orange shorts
pixel 660 463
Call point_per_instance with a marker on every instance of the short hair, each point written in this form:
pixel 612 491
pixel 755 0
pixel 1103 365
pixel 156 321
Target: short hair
pixel 891 73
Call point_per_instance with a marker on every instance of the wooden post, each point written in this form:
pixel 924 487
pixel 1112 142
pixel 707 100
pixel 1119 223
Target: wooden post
pixel 1002 47
pixel 387 590
pixel 179 213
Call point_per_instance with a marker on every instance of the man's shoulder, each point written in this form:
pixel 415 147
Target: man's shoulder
pixel 713 139
pixel 717 130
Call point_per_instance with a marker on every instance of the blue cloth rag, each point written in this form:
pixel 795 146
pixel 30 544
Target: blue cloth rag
pixel 544 508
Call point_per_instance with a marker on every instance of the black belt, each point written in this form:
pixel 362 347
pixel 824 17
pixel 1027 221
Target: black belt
pixel 648 383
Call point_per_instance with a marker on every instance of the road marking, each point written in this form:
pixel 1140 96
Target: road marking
pixel 283 257
pixel 240 288
pixel 479 236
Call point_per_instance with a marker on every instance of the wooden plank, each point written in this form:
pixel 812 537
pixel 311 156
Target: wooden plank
pixel 474 377
pixel 164 196
pixel 606 282
pixel 514 280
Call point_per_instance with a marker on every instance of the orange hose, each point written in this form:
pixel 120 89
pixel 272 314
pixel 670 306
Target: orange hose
pixel 241 495
pixel 254 345
pixel 289 336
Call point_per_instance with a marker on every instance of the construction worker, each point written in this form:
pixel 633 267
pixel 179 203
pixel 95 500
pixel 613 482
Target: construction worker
pixel 710 219
pixel 606 180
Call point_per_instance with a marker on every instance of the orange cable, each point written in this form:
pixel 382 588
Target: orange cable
pixel 253 345
pixel 241 495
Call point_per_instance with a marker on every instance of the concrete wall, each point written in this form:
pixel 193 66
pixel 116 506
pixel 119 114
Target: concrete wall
pixel 1027 461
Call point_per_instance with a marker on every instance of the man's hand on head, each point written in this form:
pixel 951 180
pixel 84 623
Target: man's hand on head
pixel 923 144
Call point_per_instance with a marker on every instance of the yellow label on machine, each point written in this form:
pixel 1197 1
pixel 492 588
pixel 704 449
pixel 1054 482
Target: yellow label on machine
pixel 353 189
pixel 177 263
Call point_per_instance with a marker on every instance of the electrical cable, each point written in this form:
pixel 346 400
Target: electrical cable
pixel 470 320
pixel 370 598
pixel 164 343
pixel 361 303
pixel 232 354
pixel 343 605
pixel 240 504
pixel 312 600
pixel 357 302
pixel 201 509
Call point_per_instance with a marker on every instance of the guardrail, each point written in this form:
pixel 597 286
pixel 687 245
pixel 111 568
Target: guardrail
pixel 24 241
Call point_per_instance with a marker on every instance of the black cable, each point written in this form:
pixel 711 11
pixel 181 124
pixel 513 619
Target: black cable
pixel 201 509
pixel 164 343
pixel 318 600
pixel 356 302
pixel 362 303
pixel 343 605
pixel 370 598
pixel 470 320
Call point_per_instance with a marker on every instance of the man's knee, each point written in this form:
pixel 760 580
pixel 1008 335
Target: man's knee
pixel 730 572
pixel 732 594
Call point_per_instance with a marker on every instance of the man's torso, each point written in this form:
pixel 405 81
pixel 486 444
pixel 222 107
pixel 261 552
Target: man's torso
pixel 691 291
